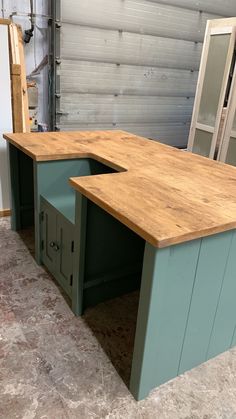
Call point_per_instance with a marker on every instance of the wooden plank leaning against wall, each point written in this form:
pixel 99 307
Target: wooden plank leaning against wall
pixel 20 110
pixel 5 113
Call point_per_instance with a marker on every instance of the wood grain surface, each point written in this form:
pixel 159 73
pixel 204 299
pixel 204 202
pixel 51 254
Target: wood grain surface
pixel 165 195
pixel 5 213
pixel 5 21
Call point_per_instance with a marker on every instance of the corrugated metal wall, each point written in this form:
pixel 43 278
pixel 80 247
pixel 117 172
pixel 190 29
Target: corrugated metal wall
pixel 131 64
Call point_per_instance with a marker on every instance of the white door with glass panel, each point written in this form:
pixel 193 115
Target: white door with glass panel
pixel 213 83
pixel 227 151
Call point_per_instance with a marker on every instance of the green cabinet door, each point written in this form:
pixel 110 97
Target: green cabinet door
pixel 49 237
pixel 57 238
pixel 65 240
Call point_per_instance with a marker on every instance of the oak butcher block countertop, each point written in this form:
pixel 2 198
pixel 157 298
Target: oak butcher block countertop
pixel 165 195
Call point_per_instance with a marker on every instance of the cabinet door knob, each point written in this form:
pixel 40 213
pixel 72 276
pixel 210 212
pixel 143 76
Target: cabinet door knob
pixel 54 246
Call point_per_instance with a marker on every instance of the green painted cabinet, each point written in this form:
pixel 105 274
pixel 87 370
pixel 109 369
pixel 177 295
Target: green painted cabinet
pixel 57 245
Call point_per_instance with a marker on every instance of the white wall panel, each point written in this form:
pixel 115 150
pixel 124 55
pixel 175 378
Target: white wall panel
pixel 92 44
pixel 105 78
pixel 139 16
pixel 124 109
pixel 225 8
pixel 5 116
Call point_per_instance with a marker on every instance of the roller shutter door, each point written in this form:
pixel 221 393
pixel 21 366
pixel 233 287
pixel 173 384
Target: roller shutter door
pixel 129 64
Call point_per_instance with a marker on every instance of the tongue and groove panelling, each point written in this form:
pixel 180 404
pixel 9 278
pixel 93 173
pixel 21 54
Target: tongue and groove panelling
pixel 132 64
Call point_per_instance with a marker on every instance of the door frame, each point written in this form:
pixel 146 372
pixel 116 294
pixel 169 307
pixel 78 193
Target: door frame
pixel 211 31
pixel 231 115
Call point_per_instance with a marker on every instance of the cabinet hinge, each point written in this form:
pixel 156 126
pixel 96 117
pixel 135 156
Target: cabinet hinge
pixel 72 246
pixel 42 244
pixel 41 215
pixel 71 280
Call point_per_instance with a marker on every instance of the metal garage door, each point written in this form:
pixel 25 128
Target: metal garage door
pixel 129 64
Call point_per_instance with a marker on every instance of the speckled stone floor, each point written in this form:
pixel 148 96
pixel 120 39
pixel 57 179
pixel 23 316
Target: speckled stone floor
pixel 56 366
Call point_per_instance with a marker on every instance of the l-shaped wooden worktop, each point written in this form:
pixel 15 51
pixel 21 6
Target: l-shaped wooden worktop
pixel 165 195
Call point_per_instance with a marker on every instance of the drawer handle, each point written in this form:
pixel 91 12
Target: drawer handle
pixel 54 246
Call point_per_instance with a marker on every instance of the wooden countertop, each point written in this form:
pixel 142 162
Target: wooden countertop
pixel 165 195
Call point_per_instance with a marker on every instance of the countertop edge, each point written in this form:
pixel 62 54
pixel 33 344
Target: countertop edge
pixel 158 243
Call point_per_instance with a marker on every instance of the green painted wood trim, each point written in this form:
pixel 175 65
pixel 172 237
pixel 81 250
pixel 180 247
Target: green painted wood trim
pixel 225 316
pixel 38 186
pixel 79 251
pixel 15 187
pixel 233 342
pixel 166 287
pixel 210 272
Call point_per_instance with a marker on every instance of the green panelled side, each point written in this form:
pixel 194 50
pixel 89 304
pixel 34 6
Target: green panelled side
pixel 187 308
pixel 22 189
pixel 26 178
pixel 209 276
pixel 225 318
pixel 166 287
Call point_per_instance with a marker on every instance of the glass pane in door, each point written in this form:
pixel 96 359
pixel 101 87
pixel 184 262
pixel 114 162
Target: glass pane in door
pixel 216 60
pixel 234 123
pixel 231 153
pixel 202 142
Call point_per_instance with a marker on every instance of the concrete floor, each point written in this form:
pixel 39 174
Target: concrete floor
pixel 56 366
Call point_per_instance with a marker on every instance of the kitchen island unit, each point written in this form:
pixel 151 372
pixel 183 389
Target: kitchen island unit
pixel 114 212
